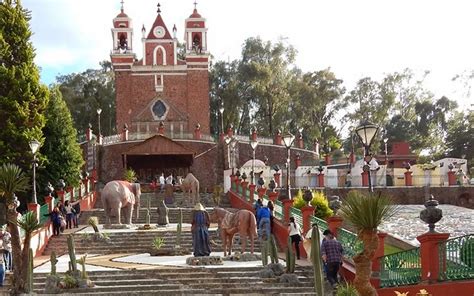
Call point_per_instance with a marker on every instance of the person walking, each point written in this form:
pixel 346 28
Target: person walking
pixel 263 222
pixel 295 235
pixel 77 214
pixel 55 217
pixel 70 212
pixel 200 231
pixel 331 252
pixel 7 248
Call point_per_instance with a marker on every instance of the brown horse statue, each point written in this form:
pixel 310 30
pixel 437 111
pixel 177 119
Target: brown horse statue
pixel 242 222
pixel 190 185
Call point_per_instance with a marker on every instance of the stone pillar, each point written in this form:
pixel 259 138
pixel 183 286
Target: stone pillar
pixel 300 142
pixel 273 196
pixel 60 194
pixel 244 188
pixel 251 193
pixel 278 138
pixel 197 132
pixel 35 208
pixel 100 139
pixel 375 280
pixel 237 184
pixel 230 132
pixel 49 200
pixel 321 180
pixel 334 223
pixel 365 179
pixel 451 178
pixel 276 177
pixel 88 134
pixel 297 161
pixel 261 191
pixel 429 252
pixel 408 178
pixel 287 204
pixel 253 136
pixel 327 159
pixel 71 192
pixel 124 134
pixel 307 211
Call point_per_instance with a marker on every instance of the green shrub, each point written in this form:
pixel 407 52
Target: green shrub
pixel 130 175
pixel 319 202
pixel 346 289
pixel 158 242
pixel 70 282
pixel 467 252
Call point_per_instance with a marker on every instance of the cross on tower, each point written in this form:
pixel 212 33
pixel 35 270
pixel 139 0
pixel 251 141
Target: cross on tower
pixel 195 4
pixel 121 2
pixel 159 10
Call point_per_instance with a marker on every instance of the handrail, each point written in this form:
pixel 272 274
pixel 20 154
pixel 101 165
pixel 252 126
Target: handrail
pixel 278 210
pixel 351 244
pixel 296 213
pixel 399 269
pixel 456 258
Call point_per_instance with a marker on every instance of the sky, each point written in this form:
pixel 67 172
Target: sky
pixel 355 39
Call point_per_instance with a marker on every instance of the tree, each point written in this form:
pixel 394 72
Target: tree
pixel 460 136
pixel 88 91
pixel 12 180
pixel 366 212
pixel 22 98
pixel 63 155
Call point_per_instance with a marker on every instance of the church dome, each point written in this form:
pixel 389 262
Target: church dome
pixel 195 14
pixel 122 14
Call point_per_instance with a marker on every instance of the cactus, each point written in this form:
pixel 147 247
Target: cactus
pixel 290 258
pixel 318 272
pixel 53 261
pixel 179 228
pixel 82 261
pixel 30 271
pixel 273 249
pixel 264 247
pixel 72 253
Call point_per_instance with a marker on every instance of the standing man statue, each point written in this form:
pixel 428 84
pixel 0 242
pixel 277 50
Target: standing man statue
pixel 200 225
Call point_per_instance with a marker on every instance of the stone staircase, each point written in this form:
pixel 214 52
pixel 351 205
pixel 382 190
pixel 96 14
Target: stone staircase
pixel 189 281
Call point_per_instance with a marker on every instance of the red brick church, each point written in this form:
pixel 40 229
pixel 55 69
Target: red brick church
pixel 161 87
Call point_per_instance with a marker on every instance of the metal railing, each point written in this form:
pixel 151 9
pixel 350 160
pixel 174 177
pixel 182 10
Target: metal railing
pixel 399 269
pixel 67 196
pixel 44 210
pixel 278 210
pixel 296 213
pixel 351 244
pixel 322 224
pixel 456 258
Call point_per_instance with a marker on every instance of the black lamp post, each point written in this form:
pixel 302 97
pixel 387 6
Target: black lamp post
pixel 385 140
pixel 366 133
pixel 253 145
pixel 34 145
pixel 288 141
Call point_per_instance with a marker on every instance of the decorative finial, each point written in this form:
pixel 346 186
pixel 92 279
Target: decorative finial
pixel 159 10
pixel 121 8
pixel 195 4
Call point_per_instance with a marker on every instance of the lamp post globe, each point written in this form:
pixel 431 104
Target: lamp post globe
pixel 34 146
pixel 366 133
pixel 221 111
pixel 98 119
pixel 288 142
pixel 253 145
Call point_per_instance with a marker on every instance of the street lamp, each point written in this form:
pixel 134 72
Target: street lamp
pixel 221 111
pixel 34 145
pixel 98 114
pixel 366 133
pixel 231 142
pixel 254 145
pixel 288 141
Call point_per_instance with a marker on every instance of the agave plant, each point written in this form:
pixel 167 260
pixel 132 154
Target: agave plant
pixel 158 242
pixel 346 289
pixel 366 212
pixel 130 175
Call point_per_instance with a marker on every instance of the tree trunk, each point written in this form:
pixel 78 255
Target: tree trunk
pixel 363 263
pixel 18 280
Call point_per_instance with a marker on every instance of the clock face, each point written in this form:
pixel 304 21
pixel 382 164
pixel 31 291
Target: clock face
pixel 159 32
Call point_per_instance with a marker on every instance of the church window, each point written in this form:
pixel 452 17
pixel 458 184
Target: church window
pixel 159 109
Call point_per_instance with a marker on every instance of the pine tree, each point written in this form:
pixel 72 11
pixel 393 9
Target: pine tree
pixel 23 98
pixel 64 156
pixel 22 103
